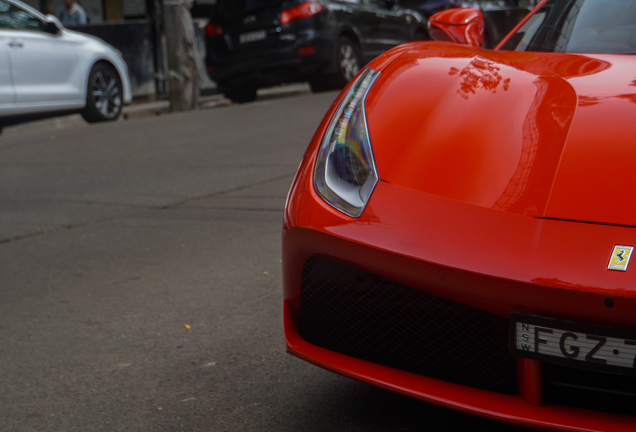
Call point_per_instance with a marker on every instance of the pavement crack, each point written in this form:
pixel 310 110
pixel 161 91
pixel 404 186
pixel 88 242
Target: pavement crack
pixel 216 194
pixel 280 210
pixel 132 279
pixel 54 230
pixel 258 197
pixel 106 204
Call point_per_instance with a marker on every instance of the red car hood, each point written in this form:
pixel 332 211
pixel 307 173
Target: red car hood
pixel 539 134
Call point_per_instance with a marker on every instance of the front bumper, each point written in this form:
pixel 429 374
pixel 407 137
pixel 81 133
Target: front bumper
pixel 507 409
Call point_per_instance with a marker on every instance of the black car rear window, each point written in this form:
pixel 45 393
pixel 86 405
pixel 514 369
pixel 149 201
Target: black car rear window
pixel 230 8
pixel 251 5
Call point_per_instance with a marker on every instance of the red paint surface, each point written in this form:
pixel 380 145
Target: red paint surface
pixel 537 134
pixel 530 383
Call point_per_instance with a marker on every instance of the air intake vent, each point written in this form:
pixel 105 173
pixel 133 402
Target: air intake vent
pixel 365 316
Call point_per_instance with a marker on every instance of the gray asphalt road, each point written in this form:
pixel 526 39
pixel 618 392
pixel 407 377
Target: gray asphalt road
pixel 140 282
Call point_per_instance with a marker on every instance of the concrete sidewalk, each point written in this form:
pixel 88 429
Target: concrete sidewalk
pixel 154 108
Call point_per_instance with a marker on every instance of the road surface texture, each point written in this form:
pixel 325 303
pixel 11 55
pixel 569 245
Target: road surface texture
pixel 140 282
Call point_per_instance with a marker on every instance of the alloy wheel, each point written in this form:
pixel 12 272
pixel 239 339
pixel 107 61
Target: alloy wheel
pixel 106 93
pixel 349 64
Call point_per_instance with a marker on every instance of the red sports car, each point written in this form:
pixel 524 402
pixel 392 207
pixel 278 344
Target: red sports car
pixel 460 229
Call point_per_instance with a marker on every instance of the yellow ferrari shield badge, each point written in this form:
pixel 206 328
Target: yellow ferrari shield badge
pixel 620 258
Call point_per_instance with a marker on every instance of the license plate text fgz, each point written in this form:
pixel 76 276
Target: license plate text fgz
pixel 549 341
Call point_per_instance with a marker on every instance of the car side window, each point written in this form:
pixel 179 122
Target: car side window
pixel 12 17
pixel 380 4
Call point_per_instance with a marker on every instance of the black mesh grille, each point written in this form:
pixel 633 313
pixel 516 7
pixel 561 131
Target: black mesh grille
pixel 365 316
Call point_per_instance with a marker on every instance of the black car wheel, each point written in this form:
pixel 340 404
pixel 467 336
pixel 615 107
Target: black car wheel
pixel 239 93
pixel 348 60
pixel 104 94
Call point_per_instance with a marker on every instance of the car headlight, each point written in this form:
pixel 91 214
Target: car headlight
pixel 345 173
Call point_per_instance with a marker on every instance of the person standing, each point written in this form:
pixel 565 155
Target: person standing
pixel 72 14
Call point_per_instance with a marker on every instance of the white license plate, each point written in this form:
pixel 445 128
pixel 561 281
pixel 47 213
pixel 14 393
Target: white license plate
pixel 253 36
pixel 573 344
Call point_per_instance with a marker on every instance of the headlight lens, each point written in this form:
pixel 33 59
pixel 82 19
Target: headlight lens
pixel 345 173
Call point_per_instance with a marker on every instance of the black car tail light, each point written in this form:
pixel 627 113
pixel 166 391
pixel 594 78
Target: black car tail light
pixel 304 10
pixel 306 50
pixel 213 30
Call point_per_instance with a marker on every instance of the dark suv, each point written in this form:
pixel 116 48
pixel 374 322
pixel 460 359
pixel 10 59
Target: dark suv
pixel 258 43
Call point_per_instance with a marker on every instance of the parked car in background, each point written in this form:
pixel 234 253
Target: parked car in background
pixel 47 70
pixel 426 7
pixel 258 43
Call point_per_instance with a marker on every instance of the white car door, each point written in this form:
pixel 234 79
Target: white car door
pixel 7 93
pixel 45 66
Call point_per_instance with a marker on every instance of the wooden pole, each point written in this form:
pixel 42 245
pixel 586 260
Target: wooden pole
pixel 182 66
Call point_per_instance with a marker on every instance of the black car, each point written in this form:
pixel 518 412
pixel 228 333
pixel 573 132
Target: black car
pixel 258 43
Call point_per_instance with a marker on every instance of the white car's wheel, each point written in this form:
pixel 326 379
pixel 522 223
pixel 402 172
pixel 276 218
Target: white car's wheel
pixel 104 94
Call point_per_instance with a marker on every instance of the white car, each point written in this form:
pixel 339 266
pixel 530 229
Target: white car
pixel 47 70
